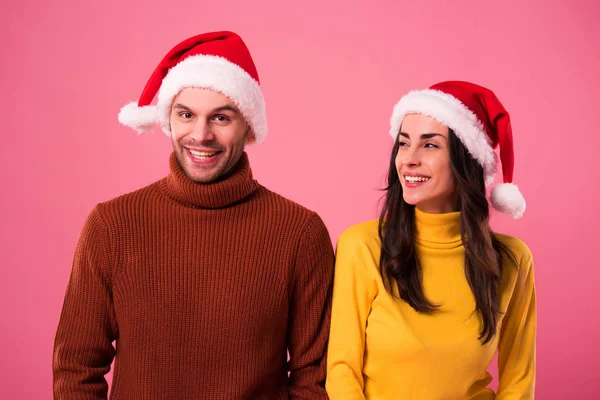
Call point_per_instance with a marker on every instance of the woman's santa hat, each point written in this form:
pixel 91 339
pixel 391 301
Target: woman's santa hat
pixel 219 61
pixel 480 122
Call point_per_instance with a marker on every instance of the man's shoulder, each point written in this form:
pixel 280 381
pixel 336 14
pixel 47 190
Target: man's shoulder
pixel 284 204
pixel 128 203
pixel 297 217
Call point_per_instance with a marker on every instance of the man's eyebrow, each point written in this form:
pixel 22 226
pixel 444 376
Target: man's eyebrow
pixel 226 108
pixel 181 107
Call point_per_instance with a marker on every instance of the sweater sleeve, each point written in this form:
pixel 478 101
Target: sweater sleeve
pixel 83 349
pixel 353 292
pixel 310 313
pixel 516 348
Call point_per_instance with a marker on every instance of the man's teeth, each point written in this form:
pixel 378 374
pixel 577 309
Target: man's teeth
pixel 416 178
pixel 202 154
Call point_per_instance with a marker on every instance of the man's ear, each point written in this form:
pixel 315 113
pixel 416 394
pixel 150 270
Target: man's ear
pixel 251 138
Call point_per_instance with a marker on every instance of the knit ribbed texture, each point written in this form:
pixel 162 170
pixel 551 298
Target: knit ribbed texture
pixel 204 288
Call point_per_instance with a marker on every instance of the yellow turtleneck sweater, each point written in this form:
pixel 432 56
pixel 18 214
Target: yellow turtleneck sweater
pixel 380 348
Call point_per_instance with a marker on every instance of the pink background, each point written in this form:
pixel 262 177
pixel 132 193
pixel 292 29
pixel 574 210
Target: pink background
pixel 331 73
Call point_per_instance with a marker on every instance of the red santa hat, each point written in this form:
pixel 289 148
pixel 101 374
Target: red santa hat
pixel 480 122
pixel 219 61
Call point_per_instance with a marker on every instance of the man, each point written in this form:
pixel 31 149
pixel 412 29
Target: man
pixel 204 279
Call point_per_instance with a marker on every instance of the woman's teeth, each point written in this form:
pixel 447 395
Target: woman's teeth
pixel 413 179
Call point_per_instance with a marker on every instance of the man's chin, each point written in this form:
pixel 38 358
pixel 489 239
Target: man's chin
pixel 207 176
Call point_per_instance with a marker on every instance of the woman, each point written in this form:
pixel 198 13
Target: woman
pixel 425 295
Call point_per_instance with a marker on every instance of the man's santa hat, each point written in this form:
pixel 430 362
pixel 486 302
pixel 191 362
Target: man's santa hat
pixel 480 122
pixel 219 61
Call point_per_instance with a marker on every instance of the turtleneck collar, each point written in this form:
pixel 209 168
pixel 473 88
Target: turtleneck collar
pixel 440 231
pixel 235 187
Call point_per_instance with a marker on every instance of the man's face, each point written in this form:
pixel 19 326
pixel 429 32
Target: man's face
pixel 208 133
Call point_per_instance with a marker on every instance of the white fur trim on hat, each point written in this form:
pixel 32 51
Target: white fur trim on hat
pixel 451 112
pixel 218 74
pixel 507 198
pixel 142 119
pixel 202 71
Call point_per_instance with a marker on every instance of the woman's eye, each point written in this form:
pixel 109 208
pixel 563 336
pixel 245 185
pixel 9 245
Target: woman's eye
pixel 402 144
pixel 432 145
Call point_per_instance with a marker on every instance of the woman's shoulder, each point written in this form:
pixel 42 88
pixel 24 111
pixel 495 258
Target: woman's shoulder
pixel 366 231
pixel 519 250
pixel 358 249
pixel 360 239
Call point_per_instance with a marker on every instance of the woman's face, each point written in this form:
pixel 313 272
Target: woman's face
pixel 423 165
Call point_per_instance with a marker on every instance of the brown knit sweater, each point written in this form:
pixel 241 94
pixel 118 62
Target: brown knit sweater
pixel 204 288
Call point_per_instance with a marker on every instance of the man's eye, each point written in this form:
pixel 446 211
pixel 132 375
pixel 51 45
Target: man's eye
pixel 186 115
pixel 221 118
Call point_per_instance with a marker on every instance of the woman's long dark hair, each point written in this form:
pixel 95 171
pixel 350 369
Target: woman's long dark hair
pixel 399 265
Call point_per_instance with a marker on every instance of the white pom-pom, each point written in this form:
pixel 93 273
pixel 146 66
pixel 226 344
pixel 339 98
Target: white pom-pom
pixel 507 199
pixel 142 119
